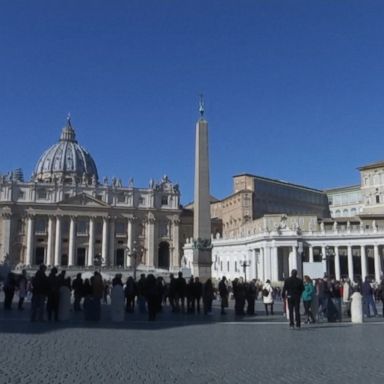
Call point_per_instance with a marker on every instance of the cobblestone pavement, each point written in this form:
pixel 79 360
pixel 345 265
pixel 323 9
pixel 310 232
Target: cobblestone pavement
pixel 188 349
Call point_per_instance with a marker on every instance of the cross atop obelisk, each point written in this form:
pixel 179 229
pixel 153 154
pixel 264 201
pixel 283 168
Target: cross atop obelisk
pixel 202 260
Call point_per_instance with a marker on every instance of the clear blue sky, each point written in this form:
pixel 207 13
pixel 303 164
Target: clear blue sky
pixel 294 89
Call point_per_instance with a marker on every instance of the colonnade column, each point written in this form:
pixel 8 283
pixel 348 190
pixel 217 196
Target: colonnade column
pixel 111 262
pixel 363 257
pixel 310 254
pixel 150 240
pixel 274 264
pixel 293 259
pixel 175 240
pixel 91 242
pixel 337 263
pixel 30 240
pixel 350 263
pixel 72 241
pixel 377 263
pixel 324 259
pixel 6 240
pixel 50 260
pixel 129 240
pixel 267 263
pixel 104 246
pixel 260 260
pixel 58 241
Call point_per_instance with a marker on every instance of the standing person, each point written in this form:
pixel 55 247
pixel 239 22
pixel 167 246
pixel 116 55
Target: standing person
pixel 368 300
pixel 53 295
pixel 9 290
pixel 197 293
pixel 381 293
pixel 181 287
pixel 97 293
pixel 39 293
pixel 141 294
pixel 130 292
pixel 189 294
pixel 208 295
pixel 223 292
pixel 323 296
pixel 23 289
pixel 78 291
pixel 267 292
pixel 307 296
pixel 347 291
pixel 151 296
pixel 172 292
pixel 251 292
pixel 292 290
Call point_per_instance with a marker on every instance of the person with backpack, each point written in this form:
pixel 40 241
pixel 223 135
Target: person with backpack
pixel 267 292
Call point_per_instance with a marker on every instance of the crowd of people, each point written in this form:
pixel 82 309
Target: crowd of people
pixel 322 298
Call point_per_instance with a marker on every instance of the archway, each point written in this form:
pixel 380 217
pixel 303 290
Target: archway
pixel 163 255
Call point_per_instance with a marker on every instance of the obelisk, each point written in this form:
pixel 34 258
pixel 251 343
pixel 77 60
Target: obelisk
pixel 202 255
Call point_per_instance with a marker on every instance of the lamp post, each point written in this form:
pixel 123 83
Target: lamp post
pixel 245 264
pixel 135 254
pixel 329 255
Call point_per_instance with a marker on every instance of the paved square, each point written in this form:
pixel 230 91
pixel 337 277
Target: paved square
pixel 188 349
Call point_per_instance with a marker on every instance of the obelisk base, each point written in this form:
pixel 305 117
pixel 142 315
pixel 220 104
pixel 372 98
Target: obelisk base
pixel 202 264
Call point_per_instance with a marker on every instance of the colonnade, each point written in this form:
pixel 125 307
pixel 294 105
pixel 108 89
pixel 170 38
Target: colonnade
pixel 54 243
pixel 271 260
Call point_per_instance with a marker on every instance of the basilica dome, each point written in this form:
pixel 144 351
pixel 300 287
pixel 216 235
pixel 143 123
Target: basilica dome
pixel 66 161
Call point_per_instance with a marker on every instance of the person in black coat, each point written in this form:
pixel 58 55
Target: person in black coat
pixel 53 295
pixel 197 292
pixel 292 290
pixel 78 289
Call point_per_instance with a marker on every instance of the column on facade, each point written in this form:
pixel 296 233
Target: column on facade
pixel 104 245
pixel 58 241
pixel 310 254
pixel 363 260
pixel 72 241
pixel 50 243
pixel 260 261
pixel 130 224
pixel 30 239
pixel 324 259
pixel 91 242
pixel 175 262
pixel 6 240
pixel 350 263
pixel 274 264
pixel 293 259
pixel 377 263
pixel 112 237
pixel 150 240
pixel 337 263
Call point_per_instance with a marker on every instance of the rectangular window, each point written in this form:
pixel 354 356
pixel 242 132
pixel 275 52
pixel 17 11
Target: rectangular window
pixel 120 228
pixel 164 200
pixel 82 227
pixel 41 194
pixel 141 200
pixel 41 225
pixel 121 198
pixel 377 199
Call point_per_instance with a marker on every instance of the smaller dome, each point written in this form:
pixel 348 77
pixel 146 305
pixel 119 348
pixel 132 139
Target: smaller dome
pixel 66 160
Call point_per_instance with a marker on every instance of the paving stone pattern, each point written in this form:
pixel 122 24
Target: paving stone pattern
pixel 188 349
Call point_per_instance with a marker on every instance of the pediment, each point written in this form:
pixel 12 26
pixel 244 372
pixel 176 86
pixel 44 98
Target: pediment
pixel 83 200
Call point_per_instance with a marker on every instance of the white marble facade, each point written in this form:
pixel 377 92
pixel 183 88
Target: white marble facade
pixel 64 216
pixel 275 244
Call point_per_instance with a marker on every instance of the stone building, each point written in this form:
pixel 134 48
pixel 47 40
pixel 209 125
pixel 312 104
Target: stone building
pixel 270 230
pixel 65 216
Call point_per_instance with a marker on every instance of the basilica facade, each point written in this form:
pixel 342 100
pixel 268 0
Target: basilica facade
pixel 66 216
